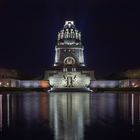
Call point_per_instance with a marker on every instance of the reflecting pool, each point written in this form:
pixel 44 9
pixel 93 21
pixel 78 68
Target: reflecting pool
pixel 69 116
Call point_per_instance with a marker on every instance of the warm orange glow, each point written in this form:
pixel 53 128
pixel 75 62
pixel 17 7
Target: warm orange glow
pixel 44 84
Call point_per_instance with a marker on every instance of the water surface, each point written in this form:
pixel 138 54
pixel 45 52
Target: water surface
pixel 69 116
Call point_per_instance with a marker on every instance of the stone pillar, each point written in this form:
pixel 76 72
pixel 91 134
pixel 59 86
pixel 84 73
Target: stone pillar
pixel 82 56
pixel 58 36
pixel 57 55
pixel 56 59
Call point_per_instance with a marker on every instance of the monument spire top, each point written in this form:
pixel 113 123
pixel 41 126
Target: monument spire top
pixel 69 34
pixel 69 24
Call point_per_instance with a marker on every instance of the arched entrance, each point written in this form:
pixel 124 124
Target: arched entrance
pixel 69 61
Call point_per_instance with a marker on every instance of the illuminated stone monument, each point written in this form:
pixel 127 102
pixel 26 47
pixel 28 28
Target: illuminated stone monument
pixel 69 49
pixel 69 71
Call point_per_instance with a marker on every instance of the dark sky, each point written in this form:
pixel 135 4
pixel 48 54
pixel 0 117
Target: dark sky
pixel 110 33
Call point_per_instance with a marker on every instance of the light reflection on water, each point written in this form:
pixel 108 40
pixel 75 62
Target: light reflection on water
pixel 69 116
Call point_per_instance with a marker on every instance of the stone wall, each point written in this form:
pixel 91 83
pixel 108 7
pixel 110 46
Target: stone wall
pixel 60 79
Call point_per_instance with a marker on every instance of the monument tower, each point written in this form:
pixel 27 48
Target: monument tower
pixel 69 71
pixel 69 49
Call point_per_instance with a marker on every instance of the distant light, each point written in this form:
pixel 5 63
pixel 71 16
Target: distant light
pixel 133 84
pixel 7 84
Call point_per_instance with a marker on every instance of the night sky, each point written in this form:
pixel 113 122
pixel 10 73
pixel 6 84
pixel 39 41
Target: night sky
pixel 110 33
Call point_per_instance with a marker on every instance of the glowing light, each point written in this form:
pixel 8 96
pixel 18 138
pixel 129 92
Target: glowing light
pixel 7 84
pixel 44 84
pixel 133 84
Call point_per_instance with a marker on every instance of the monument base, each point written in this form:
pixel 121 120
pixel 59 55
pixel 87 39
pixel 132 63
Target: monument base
pixel 69 80
pixel 70 90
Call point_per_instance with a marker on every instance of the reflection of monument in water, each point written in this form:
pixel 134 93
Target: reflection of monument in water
pixel 69 113
pixel 69 71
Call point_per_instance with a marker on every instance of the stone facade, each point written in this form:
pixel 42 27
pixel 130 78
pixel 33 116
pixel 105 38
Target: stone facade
pixel 69 49
pixel 78 79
